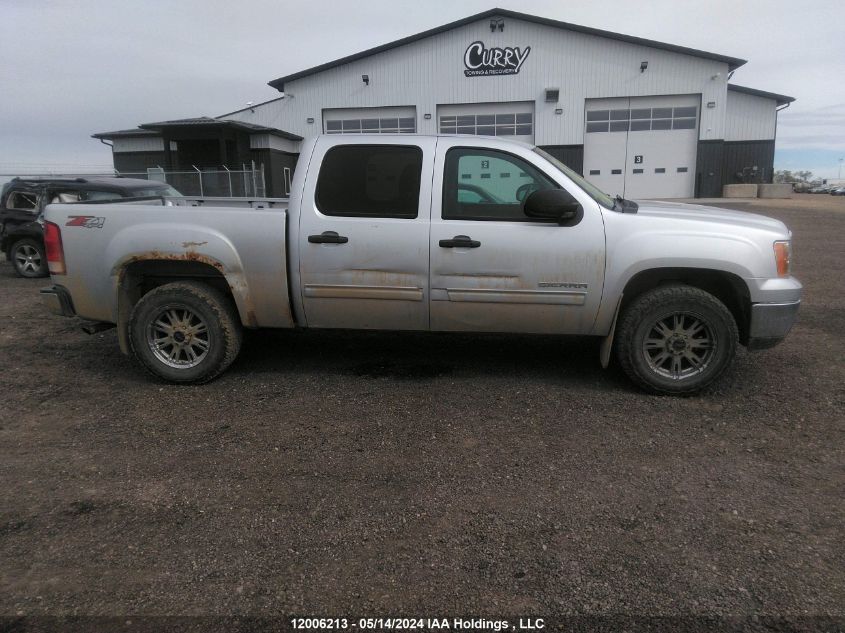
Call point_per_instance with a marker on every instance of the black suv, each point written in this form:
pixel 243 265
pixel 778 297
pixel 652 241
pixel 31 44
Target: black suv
pixel 22 203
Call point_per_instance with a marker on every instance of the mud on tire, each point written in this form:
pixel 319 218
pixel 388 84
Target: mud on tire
pixel 185 332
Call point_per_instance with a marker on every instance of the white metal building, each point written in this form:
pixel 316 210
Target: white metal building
pixel 637 117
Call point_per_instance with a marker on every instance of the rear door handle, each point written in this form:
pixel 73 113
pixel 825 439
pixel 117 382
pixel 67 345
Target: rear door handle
pixel 460 241
pixel 328 237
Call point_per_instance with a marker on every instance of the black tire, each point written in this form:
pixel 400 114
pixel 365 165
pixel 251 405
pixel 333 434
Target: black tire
pixel 659 348
pixel 28 258
pixel 166 309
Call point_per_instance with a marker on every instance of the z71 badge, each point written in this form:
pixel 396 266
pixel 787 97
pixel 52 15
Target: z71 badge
pixel 88 221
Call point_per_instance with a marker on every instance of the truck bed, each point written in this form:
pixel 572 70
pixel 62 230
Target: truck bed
pixel 241 240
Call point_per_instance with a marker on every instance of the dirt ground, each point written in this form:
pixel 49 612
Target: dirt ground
pixel 408 474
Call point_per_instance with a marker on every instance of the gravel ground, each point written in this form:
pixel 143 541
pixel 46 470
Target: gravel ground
pixel 375 474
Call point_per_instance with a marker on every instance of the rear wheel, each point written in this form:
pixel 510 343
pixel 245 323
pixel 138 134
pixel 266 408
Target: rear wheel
pixel 676 340
pixel 185 332
pixel 28 258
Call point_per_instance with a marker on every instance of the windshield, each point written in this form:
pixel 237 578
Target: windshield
pixel 591 190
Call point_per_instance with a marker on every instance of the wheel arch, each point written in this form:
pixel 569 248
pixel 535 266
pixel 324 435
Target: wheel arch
pixel 141 275
pixel 727 287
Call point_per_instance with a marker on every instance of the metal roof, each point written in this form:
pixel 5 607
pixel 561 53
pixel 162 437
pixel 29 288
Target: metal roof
pixel 250 107
pixel 781 99
pixel 733 62
pixel 124 133
pixel 205 121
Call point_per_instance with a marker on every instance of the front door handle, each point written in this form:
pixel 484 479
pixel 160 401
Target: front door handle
pixel 460 241
pixel 328 237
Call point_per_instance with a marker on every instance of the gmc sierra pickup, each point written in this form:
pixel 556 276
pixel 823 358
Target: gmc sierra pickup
pixel 440 233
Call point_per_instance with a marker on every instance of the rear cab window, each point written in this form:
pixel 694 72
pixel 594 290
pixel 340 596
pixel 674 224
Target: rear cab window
pixel 370 181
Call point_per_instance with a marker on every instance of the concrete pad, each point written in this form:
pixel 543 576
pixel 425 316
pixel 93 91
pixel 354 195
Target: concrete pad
pixel 781 190
pixel 739 191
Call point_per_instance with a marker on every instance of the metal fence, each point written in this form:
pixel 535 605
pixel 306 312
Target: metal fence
pixel 223 183
pixel 243 183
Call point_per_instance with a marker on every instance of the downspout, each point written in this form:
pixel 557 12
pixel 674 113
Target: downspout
pixel 783 107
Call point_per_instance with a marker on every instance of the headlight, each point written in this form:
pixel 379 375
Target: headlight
pixel 783 257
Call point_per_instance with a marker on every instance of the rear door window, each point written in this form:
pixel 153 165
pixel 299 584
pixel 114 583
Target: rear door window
pixel 22 201
pixel 101 195
pixel 64 197
pixel 370 181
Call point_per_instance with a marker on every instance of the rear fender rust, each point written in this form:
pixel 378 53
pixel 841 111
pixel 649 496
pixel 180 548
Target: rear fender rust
pixel 234 279
pixel 120 268
pixel 243 298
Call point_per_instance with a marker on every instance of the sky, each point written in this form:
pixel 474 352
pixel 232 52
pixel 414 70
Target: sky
pixel 69 68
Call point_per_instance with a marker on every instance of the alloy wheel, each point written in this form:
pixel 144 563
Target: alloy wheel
pixel 178 337
pixel 679 346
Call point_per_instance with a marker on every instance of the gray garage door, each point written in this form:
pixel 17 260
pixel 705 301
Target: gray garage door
pixel 388 120
pixel 642 147
pixel 512 120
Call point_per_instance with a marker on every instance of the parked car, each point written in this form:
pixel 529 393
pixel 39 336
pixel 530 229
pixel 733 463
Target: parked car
pixel 838 192
pixel 820 189
pixel 380 234
pixel 801 187
pixel 22 203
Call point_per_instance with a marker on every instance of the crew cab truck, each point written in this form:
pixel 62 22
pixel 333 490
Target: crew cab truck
pixel 439 233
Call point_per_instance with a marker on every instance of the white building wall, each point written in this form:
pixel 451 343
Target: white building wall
pixel 750 118
pixel 429 72
pixel 139 144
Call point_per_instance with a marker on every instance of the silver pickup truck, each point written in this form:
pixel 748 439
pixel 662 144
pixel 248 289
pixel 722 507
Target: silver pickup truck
pixel 440 233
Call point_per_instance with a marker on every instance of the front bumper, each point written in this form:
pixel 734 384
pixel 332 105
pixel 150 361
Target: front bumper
pixel 57 300
pixel 770 323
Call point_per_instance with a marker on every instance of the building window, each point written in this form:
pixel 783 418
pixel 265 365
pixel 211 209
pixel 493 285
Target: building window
pixel 488 124
pixel 642 119
pixel 386 125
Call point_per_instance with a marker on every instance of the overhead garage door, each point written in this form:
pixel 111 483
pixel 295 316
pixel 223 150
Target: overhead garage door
pixel 390 120
pixel 513 120
pixel 642 147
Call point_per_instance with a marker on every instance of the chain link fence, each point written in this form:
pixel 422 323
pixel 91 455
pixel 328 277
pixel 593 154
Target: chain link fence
pixel 228 183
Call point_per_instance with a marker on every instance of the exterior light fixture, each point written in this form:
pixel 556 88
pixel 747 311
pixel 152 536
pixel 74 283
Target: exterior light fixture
pixel 426 116
pixel 497 24
pixel 365 79
pixel 310 119
pixel 711 104
pixel 643 66
pixel 558 110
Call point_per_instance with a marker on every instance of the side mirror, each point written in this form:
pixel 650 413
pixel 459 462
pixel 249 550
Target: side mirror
pixel 553 204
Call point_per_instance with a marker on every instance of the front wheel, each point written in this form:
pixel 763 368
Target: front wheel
pixel 676 340
pixel 28 258
pixel 185 332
